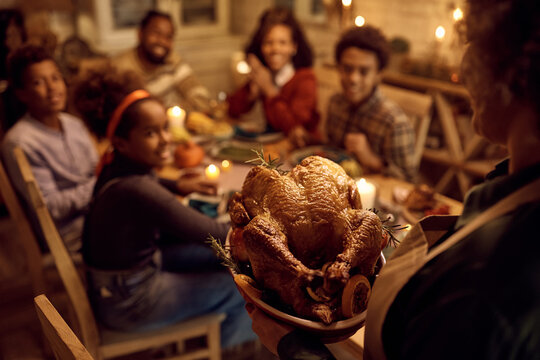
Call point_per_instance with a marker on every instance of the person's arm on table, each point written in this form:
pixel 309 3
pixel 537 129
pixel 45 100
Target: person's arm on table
pixel 358 144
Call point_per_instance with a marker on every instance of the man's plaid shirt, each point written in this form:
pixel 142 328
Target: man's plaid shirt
pixel 389 132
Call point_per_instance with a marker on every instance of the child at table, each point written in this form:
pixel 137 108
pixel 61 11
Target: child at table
pixel 57 144
pixel 281 77
pixel 148 264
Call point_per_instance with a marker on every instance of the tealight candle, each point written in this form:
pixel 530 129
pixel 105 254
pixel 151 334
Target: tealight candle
pixel 367 193
pixel 226 165
pixel 212 172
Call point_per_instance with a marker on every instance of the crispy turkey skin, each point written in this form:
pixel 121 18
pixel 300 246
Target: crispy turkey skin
pixel 295 223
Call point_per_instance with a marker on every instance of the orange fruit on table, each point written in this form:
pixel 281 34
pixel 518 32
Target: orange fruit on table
pixel 355 296
pixel 188 154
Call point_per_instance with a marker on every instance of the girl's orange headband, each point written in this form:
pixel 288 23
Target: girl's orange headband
pixel 130 98
pixel 119 111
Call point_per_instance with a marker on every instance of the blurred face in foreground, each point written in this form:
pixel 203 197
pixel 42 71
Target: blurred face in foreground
pixel 44 91
pixel 278 47
pixel 148 141
pixel 156 39
pixel 359 73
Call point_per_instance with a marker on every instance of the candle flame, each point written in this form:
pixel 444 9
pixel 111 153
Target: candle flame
pixel 212 172
pixel 458 14
pixel 346 3
pixel 359 21
pixel 440 32
pixel 243 67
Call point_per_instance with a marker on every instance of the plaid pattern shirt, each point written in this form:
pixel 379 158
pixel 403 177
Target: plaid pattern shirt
pixel 389 132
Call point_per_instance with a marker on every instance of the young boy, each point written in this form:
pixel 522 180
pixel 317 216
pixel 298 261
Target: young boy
pixel 361 119
pixel 57 145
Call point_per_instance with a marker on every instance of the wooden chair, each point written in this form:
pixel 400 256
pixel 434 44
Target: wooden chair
pixel 65 344
pixel 105 343
pixel 418 107
pixel 35 260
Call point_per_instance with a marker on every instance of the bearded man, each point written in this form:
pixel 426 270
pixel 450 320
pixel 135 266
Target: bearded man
pixel 164 72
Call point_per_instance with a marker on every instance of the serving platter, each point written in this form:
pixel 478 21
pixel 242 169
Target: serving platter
pixel 334 332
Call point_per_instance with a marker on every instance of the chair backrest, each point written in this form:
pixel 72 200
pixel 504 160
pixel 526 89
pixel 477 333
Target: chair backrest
pixel 27 237
pixel 64 264
pixel 64 343
pixel 418 107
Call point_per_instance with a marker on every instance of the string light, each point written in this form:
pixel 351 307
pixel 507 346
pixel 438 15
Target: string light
pixel 458 14
pixel 440 32
pixel 346 3
pixel 359 21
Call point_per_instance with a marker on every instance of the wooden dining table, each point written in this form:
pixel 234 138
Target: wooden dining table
pixel 231 179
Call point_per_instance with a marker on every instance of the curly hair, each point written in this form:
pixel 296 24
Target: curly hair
pixel 366 38
pixel 281 16
pixel 96 94
pixel 504 38
pixel 20 59
pixel 153 14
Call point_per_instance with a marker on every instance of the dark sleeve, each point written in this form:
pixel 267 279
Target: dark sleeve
pixel 297 345
pixel 298 108
pixel 169 185
pixel 239 102
pixel 165 210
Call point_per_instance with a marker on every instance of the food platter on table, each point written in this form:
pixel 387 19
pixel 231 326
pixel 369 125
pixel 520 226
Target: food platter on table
pixel 246 133
pixel 331 153
pixel 334 332
pixel 237 151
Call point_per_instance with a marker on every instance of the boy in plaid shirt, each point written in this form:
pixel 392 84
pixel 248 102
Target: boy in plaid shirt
pixel 360 119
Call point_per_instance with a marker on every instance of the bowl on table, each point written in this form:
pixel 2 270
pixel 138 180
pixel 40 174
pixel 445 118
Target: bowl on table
pixel 334 332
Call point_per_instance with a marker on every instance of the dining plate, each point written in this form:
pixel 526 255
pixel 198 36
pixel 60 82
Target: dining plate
pixel 334 332
pixel 335 154
pixel 237 151
pixel 246 134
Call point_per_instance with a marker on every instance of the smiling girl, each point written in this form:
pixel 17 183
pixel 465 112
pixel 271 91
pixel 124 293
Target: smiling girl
pixel 281 77
pixel 148 264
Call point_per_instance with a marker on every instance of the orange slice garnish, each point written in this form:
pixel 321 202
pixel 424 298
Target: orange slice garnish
pixel 355 296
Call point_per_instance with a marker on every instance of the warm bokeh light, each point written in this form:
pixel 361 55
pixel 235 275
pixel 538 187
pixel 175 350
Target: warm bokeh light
pixel 359 21
pixel 212 172
pixel 440 32
pixel 458 14
pixel 346 2
pixel 243 68
pixel 175 111
pixel 454 77
pixel 226 165
pixel 176 115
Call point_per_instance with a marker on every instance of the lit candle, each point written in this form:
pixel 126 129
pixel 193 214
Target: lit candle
pixel 176 116
pixel 226 165
pixel 243 67
pixel 367 193
pixel 212 172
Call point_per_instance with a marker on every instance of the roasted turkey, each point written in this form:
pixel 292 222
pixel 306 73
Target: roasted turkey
pixel 306 230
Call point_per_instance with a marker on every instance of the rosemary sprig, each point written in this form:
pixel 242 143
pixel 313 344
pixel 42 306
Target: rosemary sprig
pixel 270 164
pixel 390 229
pixel 223 254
